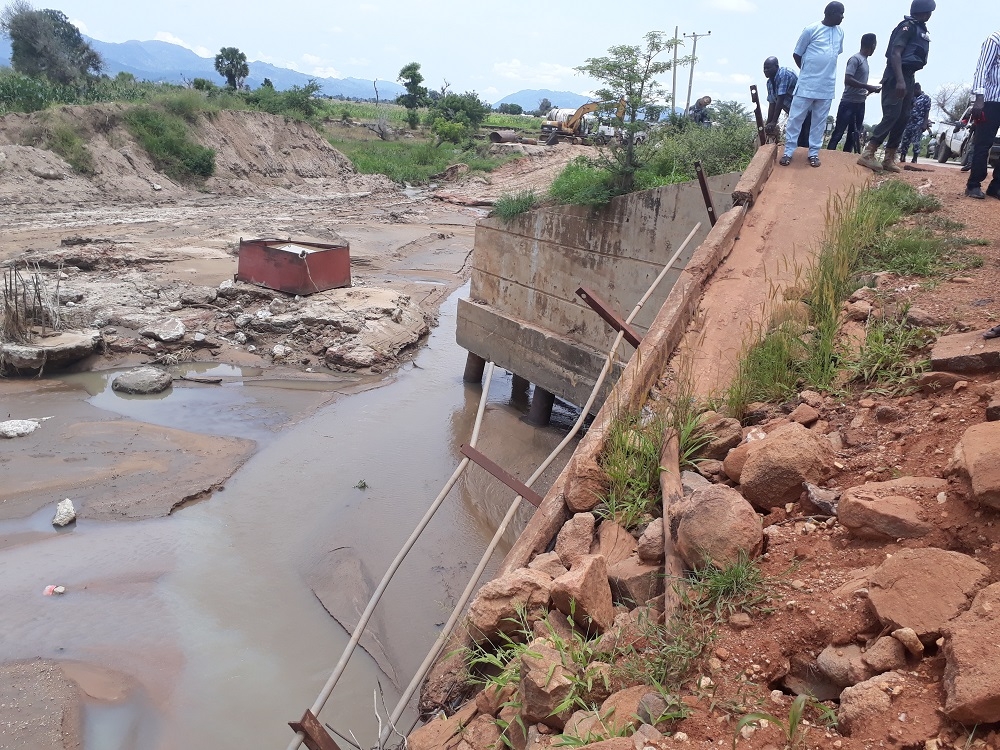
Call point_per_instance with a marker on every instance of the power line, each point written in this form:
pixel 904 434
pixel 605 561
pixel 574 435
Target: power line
pixel 694 59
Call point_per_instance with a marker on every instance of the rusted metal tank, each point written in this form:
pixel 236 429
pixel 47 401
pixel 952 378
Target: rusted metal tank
pixel 294 266
pixel 503 136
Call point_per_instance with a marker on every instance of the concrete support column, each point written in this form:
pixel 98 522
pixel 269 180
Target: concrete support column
pixel 541 407
pixel 475 366
pixel 519 389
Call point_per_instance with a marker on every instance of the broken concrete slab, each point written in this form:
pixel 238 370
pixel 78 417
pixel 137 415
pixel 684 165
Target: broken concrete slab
pixel 50 352
pixel 966 352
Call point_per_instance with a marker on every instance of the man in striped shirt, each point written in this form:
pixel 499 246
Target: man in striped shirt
pixel 986 115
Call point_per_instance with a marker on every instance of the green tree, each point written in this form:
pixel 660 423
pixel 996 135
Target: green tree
pixel 730 113
pixel 267 84
pixel 416 93
pixel 543 107
pixel 629 72
pixel 454 116
pixel 510 109
pixel 45 44
pixel 231 64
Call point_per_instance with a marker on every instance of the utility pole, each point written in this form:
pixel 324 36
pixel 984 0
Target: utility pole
pixel 673 91
pixel 694 52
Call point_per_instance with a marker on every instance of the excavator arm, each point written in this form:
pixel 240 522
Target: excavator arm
pixel 575 121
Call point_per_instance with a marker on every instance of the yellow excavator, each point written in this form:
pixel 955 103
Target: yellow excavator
pixel 567 125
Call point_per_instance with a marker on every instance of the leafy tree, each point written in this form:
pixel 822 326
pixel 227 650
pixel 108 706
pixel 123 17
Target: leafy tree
pixel 412 80
pixel 45 44
pixel 730 113
pixel 953 99
pixel 203 84
pixel 629 72
pixel 467 110
pixel 543 107
pixel 231 64
pixel 267 84
pixel 510 109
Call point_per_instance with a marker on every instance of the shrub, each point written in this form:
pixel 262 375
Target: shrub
pixel 727 148
pixel 66 141
pixel 450 131
pixel 508 206
pixel 165 138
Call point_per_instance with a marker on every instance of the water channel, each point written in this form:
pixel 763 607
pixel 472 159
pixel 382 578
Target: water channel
pixel 218 612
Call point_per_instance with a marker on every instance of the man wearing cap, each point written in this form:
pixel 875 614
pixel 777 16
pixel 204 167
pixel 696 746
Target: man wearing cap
pixel 986 116
pixel 907 53
pixel 851 112
pixel 816 53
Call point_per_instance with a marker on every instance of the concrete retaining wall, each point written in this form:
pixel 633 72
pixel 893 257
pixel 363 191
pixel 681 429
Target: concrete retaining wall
pixel 523 312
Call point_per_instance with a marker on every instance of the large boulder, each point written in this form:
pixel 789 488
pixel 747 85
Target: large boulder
pixel 971 677
pixel 716 524
pixel 635 582
pixel 777 466
pixel 496 607
pixel 546 683
pixel 888 510
pixel 721 434
pixel 575 538
pixel 923 589
pixel 142 380
pixel 585 594
pixel 614 543
pixel 975 459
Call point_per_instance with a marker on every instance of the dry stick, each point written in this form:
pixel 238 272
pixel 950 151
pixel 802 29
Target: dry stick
pixel 673 495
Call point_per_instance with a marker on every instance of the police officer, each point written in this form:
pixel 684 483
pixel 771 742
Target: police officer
pixel 907 53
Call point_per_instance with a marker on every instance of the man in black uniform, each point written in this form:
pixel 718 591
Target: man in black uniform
pixel 907 53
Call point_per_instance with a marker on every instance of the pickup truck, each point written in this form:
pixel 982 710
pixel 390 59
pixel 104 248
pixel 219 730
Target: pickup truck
pixel 954 140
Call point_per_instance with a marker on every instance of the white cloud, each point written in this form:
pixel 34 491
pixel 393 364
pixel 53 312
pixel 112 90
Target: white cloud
pixel 328 72
pixel 166 36
pixel 80 25
pixel 741 78
pixel 335 30
pixel 539 74
pixel 368 8
pixel 722 61
pixel 312 59
pixel 359 61
pixel 733 6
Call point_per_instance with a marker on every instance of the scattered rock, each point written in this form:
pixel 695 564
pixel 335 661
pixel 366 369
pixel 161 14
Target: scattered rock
pixel 885 518
pixel 975 459
pixel 496 607
pixel 650 547
pixel 491 698
pixel 777 466
pixel 167 331
pixel 885 655
pixel 823 500
pixel 50 353
pixel 545 684
pixel 723 434
pixel 885 414
pixel 993 411
pixel 15 428
pixel 844 665
pixel 859 311
pixel 280 351
pixel 908 637
pixel 935 382
pixel 142 380
pixel 804 414
pixel 717 525
pixel 971 679
pixel 740 621
pixel 691 481
pixel 812 398
pixel 651 707
pixel 65 513
pixel 575 538
pixel 548 563
pixel 865 702
pixel 199 295
pixel 966 352
pixel 482 733
pixel 635 581
pixel 919 318
pixel 621 709
pixel 585 594
pixel 615 543
pixel 444 733
pixel 924 588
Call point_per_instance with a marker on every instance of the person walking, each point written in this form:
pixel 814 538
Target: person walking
pixel 851 112
pixel 916 124
pixel 781 83
pixel 909 47
pixel 816 53
pixel 986 116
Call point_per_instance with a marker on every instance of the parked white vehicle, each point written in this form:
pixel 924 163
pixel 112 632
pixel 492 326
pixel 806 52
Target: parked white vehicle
pixel 953 139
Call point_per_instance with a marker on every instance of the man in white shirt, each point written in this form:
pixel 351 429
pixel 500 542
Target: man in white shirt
pixel 986 115
pixel 816 53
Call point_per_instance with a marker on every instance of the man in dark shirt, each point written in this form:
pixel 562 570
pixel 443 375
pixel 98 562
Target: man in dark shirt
pixel 698 112
pixel 851 112
pixel 908 49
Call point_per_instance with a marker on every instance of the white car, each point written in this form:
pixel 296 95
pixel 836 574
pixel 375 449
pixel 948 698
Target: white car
pixel 953 139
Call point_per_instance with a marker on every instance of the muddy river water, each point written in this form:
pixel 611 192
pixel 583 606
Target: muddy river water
pixel 217 618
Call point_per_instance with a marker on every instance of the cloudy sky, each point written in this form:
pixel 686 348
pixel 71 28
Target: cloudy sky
pixel 499 48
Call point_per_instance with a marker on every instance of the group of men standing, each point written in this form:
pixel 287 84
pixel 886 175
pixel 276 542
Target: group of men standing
pixel 808 96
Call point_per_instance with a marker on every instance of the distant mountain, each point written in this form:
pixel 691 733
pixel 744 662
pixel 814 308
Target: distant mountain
pixel 529 99
pixel 170 63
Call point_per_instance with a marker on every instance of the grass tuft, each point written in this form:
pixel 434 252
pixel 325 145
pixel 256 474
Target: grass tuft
pixel 508 206
pixel 887 356
pixel 631 460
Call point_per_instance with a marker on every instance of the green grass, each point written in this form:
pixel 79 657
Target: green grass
pixel 64 140
pixel 631 461
pixel 166 139
pixel 510 205
pixel 886 359
pixel 861 235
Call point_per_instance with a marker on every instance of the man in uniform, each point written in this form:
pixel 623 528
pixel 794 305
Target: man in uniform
pixel 986 116
pixel 816 53
pixel 851 112
pixel 916 124
pixel 781 84
pixel 907 53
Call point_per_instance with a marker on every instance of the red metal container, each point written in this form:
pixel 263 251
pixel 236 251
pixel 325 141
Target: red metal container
pixel 294 267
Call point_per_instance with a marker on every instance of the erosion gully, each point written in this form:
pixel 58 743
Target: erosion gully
pixel 212 627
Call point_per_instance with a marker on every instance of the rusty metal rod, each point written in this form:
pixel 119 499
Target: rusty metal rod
pixel 449 626
pixel 359 629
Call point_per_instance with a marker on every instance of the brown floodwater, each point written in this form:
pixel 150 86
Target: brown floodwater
pixel 219 611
